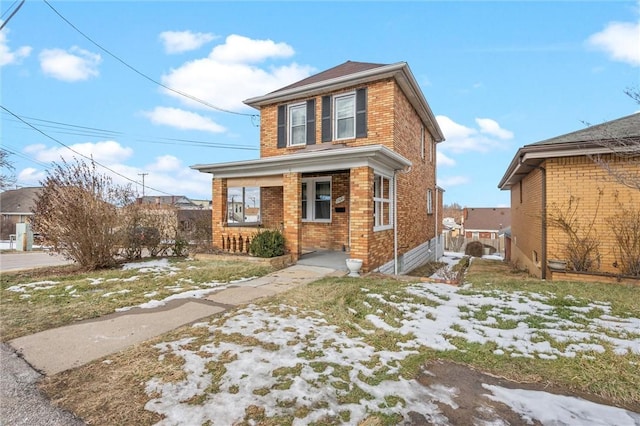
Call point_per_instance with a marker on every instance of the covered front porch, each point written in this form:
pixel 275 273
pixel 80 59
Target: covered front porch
pixel 338 200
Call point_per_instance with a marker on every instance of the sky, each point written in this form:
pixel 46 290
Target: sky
pixel 116 81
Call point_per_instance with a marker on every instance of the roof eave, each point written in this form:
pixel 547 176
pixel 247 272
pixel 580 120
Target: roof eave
pixel 531 156
pixel 377 156
pixel 400 71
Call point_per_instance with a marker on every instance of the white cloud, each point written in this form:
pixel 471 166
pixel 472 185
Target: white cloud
pixel 73 65
pixel 182 119
pixel 31 176
pixel 105 152
pixel 241 50
pixel 449 181
pixel 460 139
pixel 225 78
pixel 184 41
pixel 169 175
pixel 8 56
pixel 165 163
pixel 620 40
pixel 443 160
pixel 491 127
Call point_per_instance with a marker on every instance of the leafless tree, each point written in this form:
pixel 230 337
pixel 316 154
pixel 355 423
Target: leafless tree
pixel 453 210
pixel 7 178
pixel 622 161
pixel 78 213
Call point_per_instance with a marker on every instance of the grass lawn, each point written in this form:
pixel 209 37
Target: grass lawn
pixel 46 298
pixel 344 351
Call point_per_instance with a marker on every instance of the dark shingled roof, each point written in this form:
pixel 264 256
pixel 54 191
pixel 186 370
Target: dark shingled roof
pixel 341 70
pixel 19 200
pixel 625 127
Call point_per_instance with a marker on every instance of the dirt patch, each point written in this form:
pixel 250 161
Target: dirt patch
pixel 470 404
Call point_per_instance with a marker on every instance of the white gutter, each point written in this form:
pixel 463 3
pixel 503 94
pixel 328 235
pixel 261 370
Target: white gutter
pixel 395 223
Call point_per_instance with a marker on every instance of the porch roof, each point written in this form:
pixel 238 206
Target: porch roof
pixel 378 157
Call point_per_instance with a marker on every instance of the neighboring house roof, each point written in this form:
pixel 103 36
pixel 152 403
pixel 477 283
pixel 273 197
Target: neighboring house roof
pixel 169 200
pixel 588 141
pixel 486 218
pixel 349 74
pixel 375 156
pixel 19 201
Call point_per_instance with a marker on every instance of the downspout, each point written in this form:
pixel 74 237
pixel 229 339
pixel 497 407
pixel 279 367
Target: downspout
pixel 437 202
pixel 395 222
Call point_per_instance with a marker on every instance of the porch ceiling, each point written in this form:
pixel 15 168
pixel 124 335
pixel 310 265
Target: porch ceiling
pixel 378 157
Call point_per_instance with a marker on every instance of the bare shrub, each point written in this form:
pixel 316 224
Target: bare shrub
pixel 456 243
pixel 77 213
pixel 625 225
pixel 582 247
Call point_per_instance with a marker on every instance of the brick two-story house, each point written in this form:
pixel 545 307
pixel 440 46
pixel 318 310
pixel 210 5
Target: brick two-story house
pixel 561 177
pixel 347 162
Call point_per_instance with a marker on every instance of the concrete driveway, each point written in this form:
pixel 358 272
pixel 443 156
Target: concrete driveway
pixel 22 260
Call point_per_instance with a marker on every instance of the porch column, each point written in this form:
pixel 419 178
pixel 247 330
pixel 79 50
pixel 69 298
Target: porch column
pixel 219 211
pixel 361 214
pixel 292 218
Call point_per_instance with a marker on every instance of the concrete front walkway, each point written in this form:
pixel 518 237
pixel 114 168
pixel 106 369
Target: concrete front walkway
pixel 56 350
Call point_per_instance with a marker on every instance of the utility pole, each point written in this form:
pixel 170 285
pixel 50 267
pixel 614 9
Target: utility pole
pixel 143 175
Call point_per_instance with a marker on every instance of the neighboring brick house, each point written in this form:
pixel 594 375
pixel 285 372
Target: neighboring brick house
pixel 16 206
pixel 487 225
pixel 560 175
pixel 347 162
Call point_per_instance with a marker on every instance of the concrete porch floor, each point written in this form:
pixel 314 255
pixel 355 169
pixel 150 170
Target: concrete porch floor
pixel 326 259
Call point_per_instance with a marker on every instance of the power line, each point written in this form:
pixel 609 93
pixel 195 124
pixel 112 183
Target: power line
pixel 12 14
pixel 76 152
pixel 78 130
pixel 140 73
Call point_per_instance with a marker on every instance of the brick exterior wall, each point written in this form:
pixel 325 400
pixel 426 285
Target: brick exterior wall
pixel 526 223
pixel 380 120
pixel 597 197
pixel 415 225
pixel 361 208
pixel 574 181
pixel 271 207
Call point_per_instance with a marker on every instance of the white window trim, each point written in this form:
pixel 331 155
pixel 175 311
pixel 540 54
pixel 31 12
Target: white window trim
pixel 242 203
pixel 291 107
pixel 429 201
pixel 384 200
pixel 311 197
pixel 335 115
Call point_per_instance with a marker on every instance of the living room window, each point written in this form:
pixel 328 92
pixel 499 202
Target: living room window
pixel 316 199
pixel 382 210
pixel 345 116
pixel 297 124
pixel 243 205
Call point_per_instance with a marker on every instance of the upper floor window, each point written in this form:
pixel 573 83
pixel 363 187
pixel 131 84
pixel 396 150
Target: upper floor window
pixel 382 210
pixel 316 199
pixel 429 201
pixel 345 116
pixel 298 124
